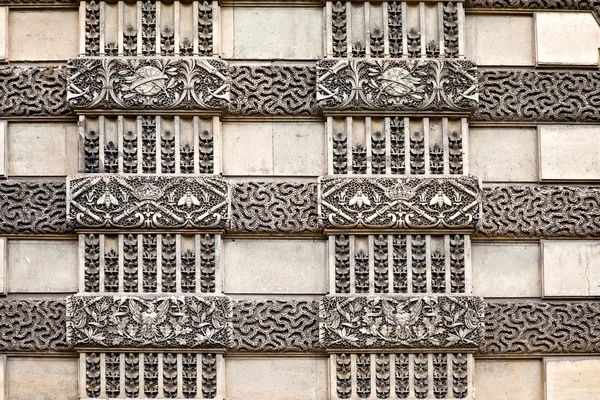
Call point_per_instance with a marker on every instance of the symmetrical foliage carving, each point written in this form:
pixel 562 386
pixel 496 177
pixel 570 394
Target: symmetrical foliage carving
pixel 148 84
pixel 273 207
pixel 525 328
pixel 147 202
pixel 399 203
pixel 33 207
pixel 272 90
pixel 33 325
pixel 543 96
pixel 395 28
pixel 541 211
pixel 450 30
pixel 156 322
pixel 30 91
pixel 274 325
pixel 397 85
pixel 400 322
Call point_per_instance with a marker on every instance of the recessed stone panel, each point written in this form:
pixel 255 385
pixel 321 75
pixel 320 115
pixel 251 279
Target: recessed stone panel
pixel 275 266
pixel 571 268
pixel 509 379
pixel 42 378
pixel 42 266
pixel 572 379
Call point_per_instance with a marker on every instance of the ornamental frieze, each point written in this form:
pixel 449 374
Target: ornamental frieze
pixel 155 322
pixel 397 85
pixel 143 202
pixel 399 203
pixel 134 84
pixel 401 322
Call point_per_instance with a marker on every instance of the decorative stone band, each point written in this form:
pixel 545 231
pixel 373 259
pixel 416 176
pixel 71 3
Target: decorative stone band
pixel 133 84
pixel 399 203
pixel 527 328
pixel 397 85
pixel 401 322
pixel 149 322
pixel 543 96
pixel 593 6
pixel 33 91
pixel 147 202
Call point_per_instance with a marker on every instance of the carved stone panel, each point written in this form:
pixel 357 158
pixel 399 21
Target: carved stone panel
pixel 132 84
pixel 401 322
pixel 143 202
pixel 154 322
pixel 397 85
pixel 399 203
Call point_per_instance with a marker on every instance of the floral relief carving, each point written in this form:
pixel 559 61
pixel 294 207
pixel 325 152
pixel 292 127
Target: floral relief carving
pixel 401 322
pixel 399 203
pixel 397 85
pixel 157 322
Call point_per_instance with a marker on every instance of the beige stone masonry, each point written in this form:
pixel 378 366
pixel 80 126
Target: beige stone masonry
pixel 571 268
pixel 42 148
pixel 3 265
pixel 3 142
pixel 569 152
pixel 41 378
pixel 572 378
pixel 2 377
pixel 3 32
pixel 41 266
pixel 566 38
pixel 509 379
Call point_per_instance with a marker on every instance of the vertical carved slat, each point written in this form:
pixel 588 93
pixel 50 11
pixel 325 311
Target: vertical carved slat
pixel 343 374
pixel 378 152
pixel 457 264
pixel 395 28
pixel 361 271
pixel 188 271
pixel 130 263
pixel 92 375
pixel 205 29
pixel 206 151
pixel 417 152
pixel 209 376
pixel 455 152
pixel 419 264
pixel 92 263
pixel 92 28
pixel 112 362
pixel 382 376
pixel 208 264
pixel 189 375
pixel 167 150
pixel 149 257
pixel 400 265
pixel 91 150
pixel 342 264
pixel 460 376
pixel 340 152
pixel 168 264
pixel 339 29
pixel 111 270
pixel 132 375
pixel 169 375
pixel 363 376
pixel 451 33
pixel 148 27
pixel 130 144
pixel 380 259
pixel 397 151
pixel 421 376
pixel 402 384
pixel 440 376
pixel 149 144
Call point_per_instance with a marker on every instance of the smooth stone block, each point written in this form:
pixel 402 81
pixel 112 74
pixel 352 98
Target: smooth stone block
pixel 3 262
pixel 275 266
pixel 42 148
pixel 503 154
pixel 42 266
pixel 572 378
pixel 281 378
pixel 42 34
pixel 570 38
pixel 42 378
pixel 571 267
pixel 506 269
pixel 500 39
pixel 247 148
pixel 569 152
pixel 272 32
pixel 509 379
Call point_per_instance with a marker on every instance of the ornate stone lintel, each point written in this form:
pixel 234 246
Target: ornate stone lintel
pixel 414 85
pixel 401 322
pixel 149 321
pixel 400 203
pixel 147 202
pixel 131 84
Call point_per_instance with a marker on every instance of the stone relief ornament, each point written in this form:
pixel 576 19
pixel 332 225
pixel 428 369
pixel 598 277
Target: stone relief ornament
pixel 142 202
pixel 399 203
pixel 397 85
pixel 526 328
pixel 289 207
pixel 591 5
pixel 33 325
pixel 157 322
pixel 544 96
pixel 401 322
pixel 29 91
pixel 32 207
pixel 540 211
pixel 275 325
pixel 130 83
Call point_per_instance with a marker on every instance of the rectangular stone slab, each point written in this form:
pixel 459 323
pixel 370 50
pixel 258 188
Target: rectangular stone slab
pixel 149 321
pixel 399 203
pixel 147 202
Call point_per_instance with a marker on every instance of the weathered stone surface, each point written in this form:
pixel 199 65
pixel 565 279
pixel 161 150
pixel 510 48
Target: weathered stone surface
pixel 571 268
pixel 509 379
pixel 588 5
pixel 572 379
pixel 42 378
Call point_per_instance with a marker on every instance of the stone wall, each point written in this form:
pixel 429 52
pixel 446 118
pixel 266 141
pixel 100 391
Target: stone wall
pixel 305 199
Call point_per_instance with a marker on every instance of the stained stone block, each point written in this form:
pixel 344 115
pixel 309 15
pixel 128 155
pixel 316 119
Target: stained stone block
pixel 509 379
pixel 272 32
pixel 500 39
pixel 42 34
pixel 3 141
pixel 503 154
pixel 282 378
pixel 506 269
pixel 275 266
pixel 569 152
pixel 42 378
pixel 36 266
pixel 571 268
pixel 570 38
pixel 3 34
pixel 572 379
pixel 42 148
pixel 3 262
